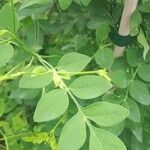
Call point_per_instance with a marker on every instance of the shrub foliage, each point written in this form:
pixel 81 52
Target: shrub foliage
pixel 61 88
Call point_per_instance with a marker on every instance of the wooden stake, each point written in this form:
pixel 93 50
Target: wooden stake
pixel 124 29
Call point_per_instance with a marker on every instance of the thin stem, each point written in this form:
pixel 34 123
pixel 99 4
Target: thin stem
pixel 30 51
pixel 136 71
pixel 15 136
pixel 126 96
pixel 5 139
pixel 18 74
pixel 51 56
pixel 30 63
pixel 80 109
pixel 9 76
pixel 13 69
pixel 57 124
pixel 5 41
pixel 45 62
pixel 13 15
pixel 12 76
pixel 21 44
pixel 102 46
pixel 132 79
pixel 78 73
pixel 74 99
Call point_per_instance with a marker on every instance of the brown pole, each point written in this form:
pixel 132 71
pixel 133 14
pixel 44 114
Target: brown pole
pixel 124 29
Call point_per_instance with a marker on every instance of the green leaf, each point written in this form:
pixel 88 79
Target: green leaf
pixel 103 112
pixel 27 94
pixel 85 2
pixel 35 37
pixel 64 4
pixel 138 132
pixel 116 129
pixel 136 128
pixel 51 105
pixel 2 106
pixel 89 86
pixel 106 139
pixel 119 64
pixel 6 53
pixel 34 80
pixel 143 41
pixel 136 20
pixel 94 142
pixel 112 98
pixel 144 7
pixel 121 78
pixel 134 114
pixel 73 62
pixel 102 33
pixel 73 134
pixel 34 3
pixel 35 9
pixel 139 91
pixel 134 56
pixel 7 20
pixel 135 144
pixel 104 57
pixel 144 72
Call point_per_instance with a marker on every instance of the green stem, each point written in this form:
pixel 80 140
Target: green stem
pixel 132 79
pixel 126 96
pixel 30 51
pixel 78 73
pixel 57 124
pixel 13 15
pixel 51 56
pixel 102 46
pixel 15 136
pixel 81 111
pixel 5 41
pixel 13 69
pixel 23 46
pixel 5 139
pixel 135 73
pixel 12 76
pixel 30 63
pixel 9 76
pixel 74 100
